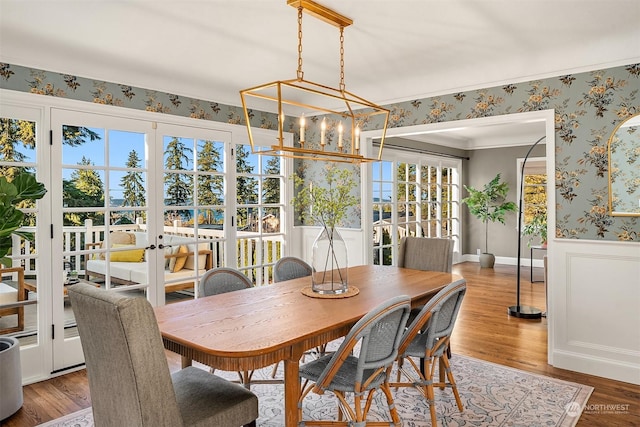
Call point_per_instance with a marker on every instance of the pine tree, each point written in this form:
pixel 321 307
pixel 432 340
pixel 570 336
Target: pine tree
pixel 133 185
pixel 77 135
pixel 14 132
pixel 271 186
pixel 246 186
pixel 210 186
pixel 178 186
pixel 85 189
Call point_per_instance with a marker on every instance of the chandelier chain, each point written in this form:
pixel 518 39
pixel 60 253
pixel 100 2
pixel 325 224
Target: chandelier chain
pixel 342 86
pixel 296 97
pixel 300 72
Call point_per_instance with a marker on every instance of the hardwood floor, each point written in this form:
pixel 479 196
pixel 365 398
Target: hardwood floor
pixel 484 330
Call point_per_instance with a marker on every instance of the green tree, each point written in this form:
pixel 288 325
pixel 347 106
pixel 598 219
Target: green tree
pixel 13 132
pixel 210 186
pixel 133 185
pixel 178 185
pixel 77 135
pixel 84 189
pixel 246 186
pixel 271 186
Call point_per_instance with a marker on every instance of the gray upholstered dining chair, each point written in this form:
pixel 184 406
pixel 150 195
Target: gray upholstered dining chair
pixel 427 337
pixel 426 253
pixel 359 371
pixel 290 267
pixel 129 378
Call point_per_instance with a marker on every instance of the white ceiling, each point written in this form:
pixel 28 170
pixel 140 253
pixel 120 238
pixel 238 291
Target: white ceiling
pixel 395 50
pixel 520 131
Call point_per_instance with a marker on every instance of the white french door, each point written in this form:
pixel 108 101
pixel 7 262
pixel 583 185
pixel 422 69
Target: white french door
pixel 193 178
pixel 94 160
pixel 23 148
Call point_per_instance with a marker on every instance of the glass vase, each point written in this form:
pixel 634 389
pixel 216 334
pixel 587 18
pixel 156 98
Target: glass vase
pixel 329 262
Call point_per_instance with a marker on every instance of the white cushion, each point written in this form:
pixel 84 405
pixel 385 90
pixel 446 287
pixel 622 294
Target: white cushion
pixel 138 273
pixel 191 260
pixel 120 270
pixel 134 271
pixel 141 238
pixel 7 294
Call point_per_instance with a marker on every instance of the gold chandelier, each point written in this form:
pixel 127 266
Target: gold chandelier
pixel 327 121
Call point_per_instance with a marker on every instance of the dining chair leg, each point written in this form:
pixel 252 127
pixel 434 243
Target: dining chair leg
pixel 275 370
pixel 399 371
pixel 441 373
pixel 245 377
pixel 430 393
pixel 452 381
pixel 386 389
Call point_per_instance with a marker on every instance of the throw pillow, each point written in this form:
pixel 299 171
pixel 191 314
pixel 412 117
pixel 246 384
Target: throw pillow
pixel 119 238
pixel 133 255
pixel 177 263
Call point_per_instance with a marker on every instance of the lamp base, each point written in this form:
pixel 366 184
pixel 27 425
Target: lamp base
pixel 525 312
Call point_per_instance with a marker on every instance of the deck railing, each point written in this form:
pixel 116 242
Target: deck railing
pixel 256 255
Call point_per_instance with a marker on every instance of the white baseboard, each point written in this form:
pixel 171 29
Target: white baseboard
pixel 600 367
pixel 524 261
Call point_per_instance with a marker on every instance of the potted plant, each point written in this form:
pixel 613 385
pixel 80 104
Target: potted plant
pixel 537 226
pixel 24 187
pixel 489 205
pixel 327 205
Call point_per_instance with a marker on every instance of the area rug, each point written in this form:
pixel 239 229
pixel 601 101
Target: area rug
pixel 492 395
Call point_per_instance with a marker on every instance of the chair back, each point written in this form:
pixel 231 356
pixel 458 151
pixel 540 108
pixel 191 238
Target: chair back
pixel 432 327
pixel 221 280
pixel 129 376
pixel 426 253
pixel 379 333
pixel 290 267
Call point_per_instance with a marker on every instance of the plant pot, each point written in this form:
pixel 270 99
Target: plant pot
pixel 11 397
pixel 329 263
pixel 487 260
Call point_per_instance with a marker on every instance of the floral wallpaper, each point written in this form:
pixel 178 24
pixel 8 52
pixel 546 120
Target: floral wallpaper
pixel 588 107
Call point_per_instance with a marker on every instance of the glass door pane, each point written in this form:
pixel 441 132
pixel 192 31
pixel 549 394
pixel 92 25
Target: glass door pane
pixel 19 272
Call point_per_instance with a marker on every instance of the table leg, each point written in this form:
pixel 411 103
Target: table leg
pixel 291 391
pixel 185 361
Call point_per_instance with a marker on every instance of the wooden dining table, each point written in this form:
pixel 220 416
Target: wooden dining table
pixel 257 327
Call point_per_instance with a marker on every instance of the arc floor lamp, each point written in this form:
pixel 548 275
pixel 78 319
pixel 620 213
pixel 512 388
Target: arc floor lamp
pixel 523 311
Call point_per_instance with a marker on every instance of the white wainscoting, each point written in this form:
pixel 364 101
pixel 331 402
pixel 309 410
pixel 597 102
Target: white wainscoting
pixel 594 313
